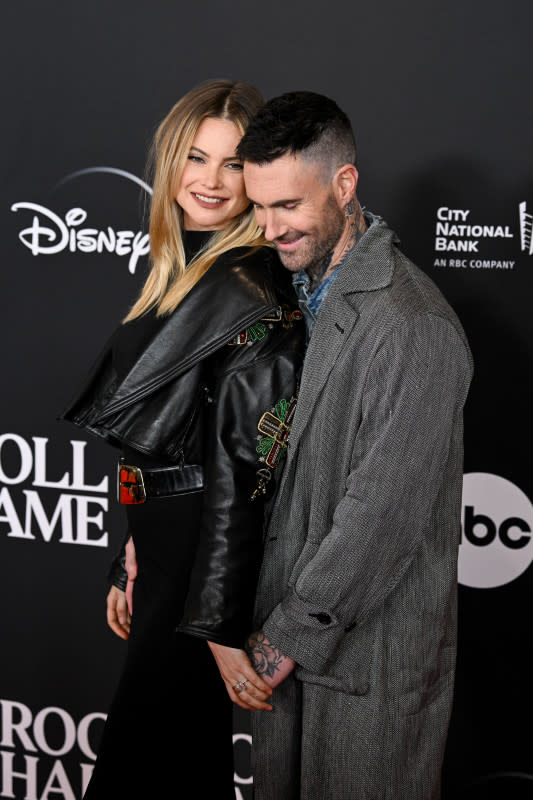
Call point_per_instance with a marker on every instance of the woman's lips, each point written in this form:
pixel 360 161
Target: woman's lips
pixel 208 201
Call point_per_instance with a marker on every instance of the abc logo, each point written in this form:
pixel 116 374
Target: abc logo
pixel 497 531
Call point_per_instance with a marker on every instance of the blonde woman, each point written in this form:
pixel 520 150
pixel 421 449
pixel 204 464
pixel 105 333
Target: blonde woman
pixel 208 353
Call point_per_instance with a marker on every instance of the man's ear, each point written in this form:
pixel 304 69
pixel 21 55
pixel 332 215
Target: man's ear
pixel 345 184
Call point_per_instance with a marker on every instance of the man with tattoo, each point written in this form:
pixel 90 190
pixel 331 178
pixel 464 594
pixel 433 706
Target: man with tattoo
pixel 356 602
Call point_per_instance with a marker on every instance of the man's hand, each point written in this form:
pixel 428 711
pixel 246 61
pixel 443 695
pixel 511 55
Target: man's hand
pixel 236 671
pixel 131 569
pixel 267 660
pixel 118 616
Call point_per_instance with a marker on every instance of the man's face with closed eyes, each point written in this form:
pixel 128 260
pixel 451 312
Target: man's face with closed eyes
pixel 295 205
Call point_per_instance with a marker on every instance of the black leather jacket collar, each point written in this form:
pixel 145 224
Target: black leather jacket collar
pixel 235 292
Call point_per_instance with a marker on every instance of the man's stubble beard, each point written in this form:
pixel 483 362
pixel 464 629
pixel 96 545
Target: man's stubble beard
pixel 315 254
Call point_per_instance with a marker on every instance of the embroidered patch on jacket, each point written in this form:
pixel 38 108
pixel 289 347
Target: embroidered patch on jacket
pixel 254 333
pixel 274 428
pixel 258 331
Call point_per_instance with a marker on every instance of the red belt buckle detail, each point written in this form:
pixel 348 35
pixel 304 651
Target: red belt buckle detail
pixel 130 485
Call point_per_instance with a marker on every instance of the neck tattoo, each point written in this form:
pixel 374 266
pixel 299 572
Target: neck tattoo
pixel 317 273
pixel 357 226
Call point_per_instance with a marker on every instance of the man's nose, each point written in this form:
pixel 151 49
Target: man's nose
pixel 273 226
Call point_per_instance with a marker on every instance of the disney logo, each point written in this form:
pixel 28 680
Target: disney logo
pixel 49 234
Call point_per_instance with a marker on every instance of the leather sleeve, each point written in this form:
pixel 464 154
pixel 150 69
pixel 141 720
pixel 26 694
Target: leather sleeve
pixel 117 575
pixel 220 599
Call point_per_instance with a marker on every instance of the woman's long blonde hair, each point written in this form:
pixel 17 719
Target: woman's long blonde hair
pixel 171 278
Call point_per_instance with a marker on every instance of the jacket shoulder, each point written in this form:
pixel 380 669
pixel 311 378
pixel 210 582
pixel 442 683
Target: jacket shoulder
pixel 279 328
pixel 244 274
pixel 418 295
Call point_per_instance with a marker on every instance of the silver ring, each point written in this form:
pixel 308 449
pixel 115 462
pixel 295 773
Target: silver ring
pixel 239 687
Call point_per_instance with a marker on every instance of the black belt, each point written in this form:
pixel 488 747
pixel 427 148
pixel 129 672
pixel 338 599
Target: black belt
pixel 136 485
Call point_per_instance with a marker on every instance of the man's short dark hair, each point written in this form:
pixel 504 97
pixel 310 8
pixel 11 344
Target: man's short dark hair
pixel 303 123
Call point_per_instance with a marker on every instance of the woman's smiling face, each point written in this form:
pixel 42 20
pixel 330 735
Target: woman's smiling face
pixel 211 190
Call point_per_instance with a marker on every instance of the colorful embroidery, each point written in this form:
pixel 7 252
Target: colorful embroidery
pixel 291 316
pixel 241 338
pixel 275 427
pixel 257 331
pixel 254 333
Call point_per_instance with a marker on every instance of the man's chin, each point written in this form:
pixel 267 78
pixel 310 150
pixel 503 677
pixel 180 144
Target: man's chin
pixel 291 261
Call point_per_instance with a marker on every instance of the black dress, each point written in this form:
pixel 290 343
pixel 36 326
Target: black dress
pixel 170 723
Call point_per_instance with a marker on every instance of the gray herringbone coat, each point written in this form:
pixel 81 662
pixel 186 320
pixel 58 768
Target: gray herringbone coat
pixel 358 583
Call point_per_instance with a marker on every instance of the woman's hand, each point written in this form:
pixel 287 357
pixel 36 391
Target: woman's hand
pixel 118 616
pixel 235 668
pixel 131 569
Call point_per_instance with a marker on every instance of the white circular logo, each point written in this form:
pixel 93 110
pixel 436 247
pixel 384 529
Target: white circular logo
pixel 497 524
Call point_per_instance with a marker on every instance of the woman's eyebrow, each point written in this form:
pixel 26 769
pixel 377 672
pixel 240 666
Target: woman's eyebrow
pixel 228 158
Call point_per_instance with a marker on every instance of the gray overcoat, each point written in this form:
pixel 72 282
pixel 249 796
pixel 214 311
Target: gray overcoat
pixel 358 582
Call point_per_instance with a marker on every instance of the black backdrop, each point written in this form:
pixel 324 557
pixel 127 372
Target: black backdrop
pixel 439 96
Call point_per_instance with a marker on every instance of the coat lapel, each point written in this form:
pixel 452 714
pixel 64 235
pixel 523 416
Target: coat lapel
pixel 326 344
pixel 368 268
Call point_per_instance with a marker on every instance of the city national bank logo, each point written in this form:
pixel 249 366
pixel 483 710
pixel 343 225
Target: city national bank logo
pixel 467 240
pixel 47 754
pixel 496 537
pixel 68 508
pixel 48 233
pixel 526 220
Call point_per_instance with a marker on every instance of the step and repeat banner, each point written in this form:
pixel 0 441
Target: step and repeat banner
pixel 440 101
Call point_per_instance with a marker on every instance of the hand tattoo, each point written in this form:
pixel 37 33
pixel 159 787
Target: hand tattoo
pixel 265 657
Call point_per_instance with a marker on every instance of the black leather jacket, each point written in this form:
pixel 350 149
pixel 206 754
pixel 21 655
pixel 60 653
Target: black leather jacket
pixel 228 354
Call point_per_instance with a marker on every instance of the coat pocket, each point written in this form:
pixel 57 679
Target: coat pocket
pixel 352 666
